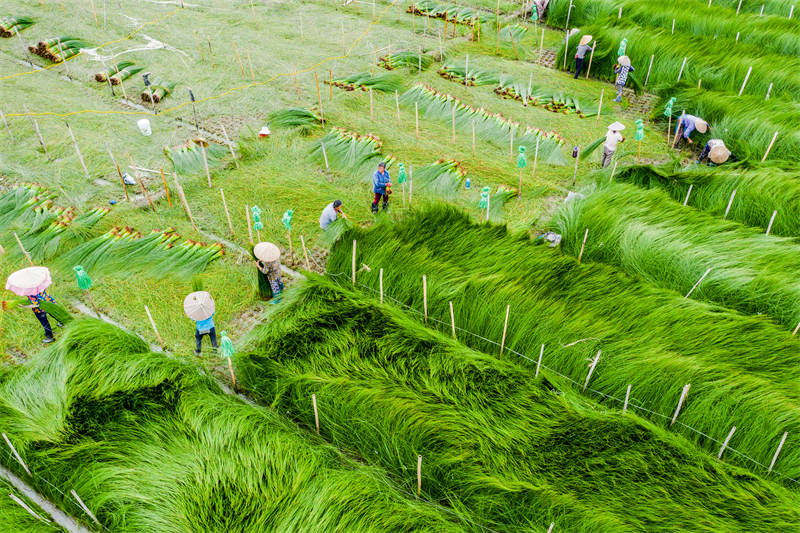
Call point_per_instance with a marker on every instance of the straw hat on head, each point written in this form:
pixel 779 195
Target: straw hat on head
pixel 586 39
pixel 617 126
pixel 719 154
pixel 701 125
pixel 267 252
pixel 625 61
pixel 199 305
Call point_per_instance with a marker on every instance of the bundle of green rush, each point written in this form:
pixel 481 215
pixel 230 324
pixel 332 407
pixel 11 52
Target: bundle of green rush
pixel 461 15
pixel 17 204
pixel 59 49
pixel 555 101
pixel 387 83
pixel 349 150
pixel 456 71
pixel 443 178
pixel 118 72
pixel 160 89
pixel 513 33
pixel 411 60
pixel 188 158
pixel 124 251
pixel 10 26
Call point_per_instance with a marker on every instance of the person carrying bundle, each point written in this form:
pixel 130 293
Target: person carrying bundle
pixel 580 54
pixel 686 125
pixel 613 137
pixel 200 307
pixel 622 68
pixel 381 184
pixel 715 151
pixel 331 213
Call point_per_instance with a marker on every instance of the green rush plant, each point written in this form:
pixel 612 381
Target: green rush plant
pixel 461 15
pixel 188 157
pixel 552 100
pixel 456 71
pixel 760 189
pixel 510 451
pixel 387 83
pixel 18 204
pixel 102 77
pixel 412 60
pixel 10 25
pixel 649 235
pixel 350 150
pixel 13 517
pixel 443 178
pixel 160 89
pixel 151 444
pixel 743 370
pixel 59 49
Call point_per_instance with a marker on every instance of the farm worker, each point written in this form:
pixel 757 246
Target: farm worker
pixel 268 262
pixel 622 68
pixel 380 181
pixel 716 151
pixel 580 54
pixel 331 213
pixel 613 137
pixel 203 328
pixel 200 307
pixel 41 314
pixel 686 125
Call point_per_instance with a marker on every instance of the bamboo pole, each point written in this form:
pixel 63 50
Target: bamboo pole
pixel 669 129
pixel 17 456
pixel 425 296
pixel 416 119
pixel 83 506
pixel 575 172
pixel 698 283
pixel 746 77
pixel 354 262
pixel 541 43
pixel 771 220
pixel 680 403
pixel 3 117
pixel 330 84
pixel 182 196
pixel 94 12
pixel 166 189
pixel 419 475
pixel 513 45
pixel 305 252
pixel 24 251
pixel 497 25
pixel 769 90
pixel 566 34
pixel 233 377
pixel 153 323
pixel 250 62
pixel 325 158
pixel 453 121
pixel 141 185
pixel 319 99
pixel 599 107
pixel 769 148
pixel 680 74
pixel 539 362
pixel 291 248
pixel 230 146
pixel 778 451
pixel 591 369
pixel 686 200
pixel 249 226
pixel 535 158
pixel 78 151
pixel 613 171
pixel 505 329
pixel 591 56
pixel 583 244
pixel 227 213
pixel 796 329
pixel 473 137
pixel 452 320
pixel 725 444
pixel 649 68
pixel 410 183
pixel 296 85
pixel 627 396
pixel 316 412
pixel 730 203
pixel 371 116
pixel 36 128
pixel 239 59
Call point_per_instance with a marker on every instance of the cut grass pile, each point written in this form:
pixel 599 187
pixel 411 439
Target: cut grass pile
pixel 188 157
pixel 760 190
pixel 349 150
pixel 150 444
pixel 449 12
pixel 10 25
pixel 743 370
pixel 59 49
pixel 505 449
pixel 649 235
pixel 387 83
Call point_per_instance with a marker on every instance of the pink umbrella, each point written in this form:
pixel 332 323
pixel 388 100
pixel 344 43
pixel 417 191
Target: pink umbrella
pixel 29 281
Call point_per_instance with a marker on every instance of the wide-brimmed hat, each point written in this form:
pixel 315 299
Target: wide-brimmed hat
pixel 617 126
pixel 199 305
pixel 719 154
pixel 625 61
pixel 701 125
pixel 267 252
pixel 586 39
pixel 29 281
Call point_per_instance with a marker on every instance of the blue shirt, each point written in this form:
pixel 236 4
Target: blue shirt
pixel 205 325
pixel 688 125
pixel 622 74
pixel 379 182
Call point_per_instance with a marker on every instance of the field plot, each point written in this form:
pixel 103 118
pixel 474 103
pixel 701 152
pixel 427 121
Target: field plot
pixel 638 374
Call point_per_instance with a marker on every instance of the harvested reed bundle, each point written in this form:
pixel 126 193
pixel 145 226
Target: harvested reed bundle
pixel 649 235
pixel 298 117
pixel 188 158
pixel 743 369
pixel 461 15
pixel 160 88
pixel 125 73
pixel 549 99
pixel 10 26
pixel 390 389
pixel 387 83
pixel 103 76
pixel 456 71
pixel 18 205
pixel 59 49
pixel 414 61
pixel 349 150
pixel 443 178
pixel 513 33
pixel 151 444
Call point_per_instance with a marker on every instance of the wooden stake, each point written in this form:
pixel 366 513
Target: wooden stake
pixel 680 403
pixel 627 395
pixel 698 283
pixel 182 196
pixel 774 457
pixel 380 283
pixel 585 235
pixel 539 362
pixel 296 85
pixel 591 56
pixel 725 444
pixel 425 296
pixel 36 128
pixel 680 74
pixel 613 171
pixel 22 463
pixel 141 185
pixel 249 226
pixel 505 328
pixel 354 263
pixel 28 509
pixel 94 12
pixel 541 42
pixel 686 200
pixel 673 26
pixel 319 99
pixel 511 145
pixel 233 377
pixel 738 7
pixel 291 248
pixel 649 68
pixel 599 107
pixel 566 34
pixel 199 48
pixel 513 45
pixel 325 158
pixel 497 25
pixel 452 320
pixel 250 62
pixel 535 157
pixel 3 117
pixel 771 220
pixel 410 182
pixel 152 323
pixel 591 369
pixel 669 129
pixel 678 127
pixel 230 146
pixel 550 529
pixel 371 116
pixel 205 163
pixel 419 475
pixel 575 172
pixel 416 119
pixel 316 412
pixel 227 213
pixel 166 189
pixel 796 329
pixel 397 105
pixel 78 151
pixel 730 203
pixel 769 148
pixel 83 506
pixel 211 53
pixel 746 77
pixel 305 252
pixel 239 59
pixel 330 85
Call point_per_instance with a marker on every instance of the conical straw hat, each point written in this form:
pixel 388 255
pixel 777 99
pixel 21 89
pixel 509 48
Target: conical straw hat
pixel 267 252
pixel 625 61
pixel 586 39
pixel 701 125
pixel 29 281
pixel 199 305
pixel 719 154
pixel 617 126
